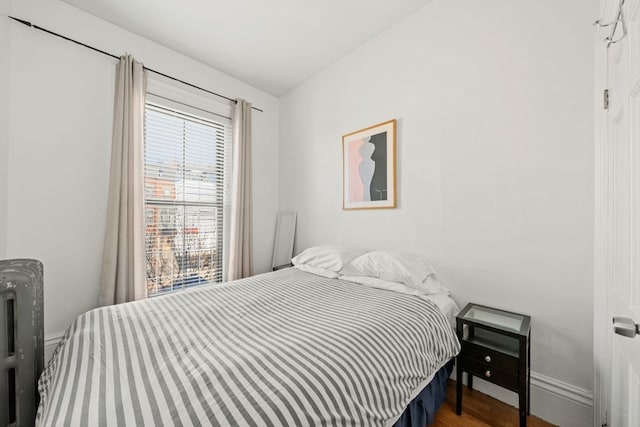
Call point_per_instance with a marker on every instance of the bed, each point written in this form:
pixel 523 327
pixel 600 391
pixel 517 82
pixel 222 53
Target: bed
pixel 287 348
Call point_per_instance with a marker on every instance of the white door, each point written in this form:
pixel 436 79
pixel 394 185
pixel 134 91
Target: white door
pixel 618 220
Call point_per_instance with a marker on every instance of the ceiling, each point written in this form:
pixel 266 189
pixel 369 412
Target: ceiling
pixel 271 44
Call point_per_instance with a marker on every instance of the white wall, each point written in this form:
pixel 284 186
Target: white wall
pixel 61 117
pixel 495 166
pixel 5 48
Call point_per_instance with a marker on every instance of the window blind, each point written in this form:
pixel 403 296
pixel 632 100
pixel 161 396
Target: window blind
pixel 186 166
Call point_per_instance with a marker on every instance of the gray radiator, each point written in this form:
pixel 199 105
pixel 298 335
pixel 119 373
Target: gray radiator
pixel 21 340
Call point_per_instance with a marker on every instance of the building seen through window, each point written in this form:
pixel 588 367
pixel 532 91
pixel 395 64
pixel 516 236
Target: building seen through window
pixel 184 192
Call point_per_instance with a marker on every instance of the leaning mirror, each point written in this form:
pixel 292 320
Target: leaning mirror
pixel 283 243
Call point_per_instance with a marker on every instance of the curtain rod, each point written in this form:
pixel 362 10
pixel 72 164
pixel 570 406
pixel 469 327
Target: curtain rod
pixel 29 24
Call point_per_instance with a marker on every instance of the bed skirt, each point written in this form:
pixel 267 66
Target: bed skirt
pixel 422 409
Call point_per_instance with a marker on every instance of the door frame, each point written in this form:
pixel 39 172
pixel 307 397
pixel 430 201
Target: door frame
pixel 602 277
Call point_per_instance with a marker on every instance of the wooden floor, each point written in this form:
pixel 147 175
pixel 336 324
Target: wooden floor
pixel 480 410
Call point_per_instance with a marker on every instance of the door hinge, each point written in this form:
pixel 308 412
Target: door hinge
pixel 605 418
pixel 605 99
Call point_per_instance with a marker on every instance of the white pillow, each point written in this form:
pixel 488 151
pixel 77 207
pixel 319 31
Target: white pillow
pixel 411 270
pixel 383 284
pixel 328 257
pixel 432 283
pixel 317 271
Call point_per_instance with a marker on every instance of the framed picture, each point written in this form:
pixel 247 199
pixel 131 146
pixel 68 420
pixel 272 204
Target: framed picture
pixel 369 167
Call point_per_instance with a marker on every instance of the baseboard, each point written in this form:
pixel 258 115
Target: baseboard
pixel 576 395
pixel 553 400
pixel 50 344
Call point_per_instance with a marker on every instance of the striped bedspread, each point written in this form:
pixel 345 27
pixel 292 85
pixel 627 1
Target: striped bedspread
pixel 281 349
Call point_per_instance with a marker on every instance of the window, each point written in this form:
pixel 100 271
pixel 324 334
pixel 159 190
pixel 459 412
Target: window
pixel 184 159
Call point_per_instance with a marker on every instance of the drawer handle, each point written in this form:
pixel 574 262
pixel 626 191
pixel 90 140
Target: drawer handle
pixel 487 359
pixel 487 374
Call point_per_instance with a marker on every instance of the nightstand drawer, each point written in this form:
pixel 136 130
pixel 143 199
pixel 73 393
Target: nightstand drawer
pixel 489 373
pixel 489 357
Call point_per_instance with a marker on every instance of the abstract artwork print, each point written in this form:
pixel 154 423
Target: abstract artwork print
pixel 369 167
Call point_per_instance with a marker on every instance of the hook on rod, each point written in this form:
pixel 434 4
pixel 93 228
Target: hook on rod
pixel 598 23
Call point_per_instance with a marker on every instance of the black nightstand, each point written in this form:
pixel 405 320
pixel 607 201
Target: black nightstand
pixel 495 347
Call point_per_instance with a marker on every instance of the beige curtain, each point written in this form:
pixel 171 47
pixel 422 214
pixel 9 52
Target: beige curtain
pixel 241 219
pixel 123 262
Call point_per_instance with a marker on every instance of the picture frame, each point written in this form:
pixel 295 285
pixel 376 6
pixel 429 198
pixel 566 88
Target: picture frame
pixel 369 167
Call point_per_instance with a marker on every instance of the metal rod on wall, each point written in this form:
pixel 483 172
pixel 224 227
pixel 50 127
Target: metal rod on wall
pixel 29 24
pixel 619 20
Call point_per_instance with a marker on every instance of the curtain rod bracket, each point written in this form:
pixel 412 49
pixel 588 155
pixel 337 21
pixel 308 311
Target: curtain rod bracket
pixel 22 21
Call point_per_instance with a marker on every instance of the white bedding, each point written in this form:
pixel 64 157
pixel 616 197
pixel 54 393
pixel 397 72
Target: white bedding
pixel 446 304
